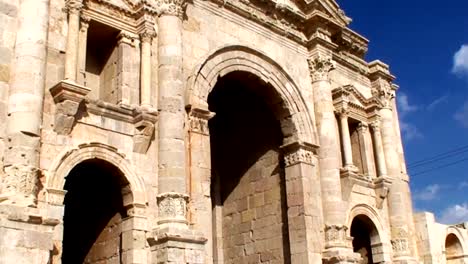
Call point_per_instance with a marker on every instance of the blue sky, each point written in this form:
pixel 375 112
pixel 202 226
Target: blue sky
pixel 423 42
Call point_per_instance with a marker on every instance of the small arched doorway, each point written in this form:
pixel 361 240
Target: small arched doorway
pixel 366 240
pixel 453 250
pixel 248 190
pixel 94 212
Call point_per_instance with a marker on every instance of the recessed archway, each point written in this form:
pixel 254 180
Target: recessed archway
pixel 453 250
pixel 366 240
pixel 248 189
pixel 94 211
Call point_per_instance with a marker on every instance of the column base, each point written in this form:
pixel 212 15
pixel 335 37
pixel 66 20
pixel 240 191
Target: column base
pixel 175 245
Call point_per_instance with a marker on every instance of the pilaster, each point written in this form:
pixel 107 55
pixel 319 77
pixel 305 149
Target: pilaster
pixel 305 217
pixel 73 8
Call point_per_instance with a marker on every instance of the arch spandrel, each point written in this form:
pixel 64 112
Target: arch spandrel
pixel 245 59
pixel 64 163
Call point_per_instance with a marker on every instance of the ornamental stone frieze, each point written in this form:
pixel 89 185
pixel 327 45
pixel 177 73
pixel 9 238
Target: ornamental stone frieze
pixel 22 182
pixel 336 236
pixel 320 67
pixel 400 243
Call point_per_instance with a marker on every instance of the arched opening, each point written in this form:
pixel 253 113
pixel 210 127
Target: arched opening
pixel 453 250
pixel 366 240
pixel 248 191
pixel 93 213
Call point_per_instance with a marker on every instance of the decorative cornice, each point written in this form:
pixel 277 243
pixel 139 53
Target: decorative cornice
pixel 320 67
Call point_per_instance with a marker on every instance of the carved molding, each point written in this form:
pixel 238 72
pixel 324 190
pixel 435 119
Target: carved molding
pixel 172 207
pixel 320 67
pixel 299 152
pixel 68 96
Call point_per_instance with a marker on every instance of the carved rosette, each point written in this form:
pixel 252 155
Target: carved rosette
pixel 299 152
pixel 400 243
pixel 21 184
pixel 320 67
pixel 198 121
pixel 171 7
pixel 335 236
pixel 172 207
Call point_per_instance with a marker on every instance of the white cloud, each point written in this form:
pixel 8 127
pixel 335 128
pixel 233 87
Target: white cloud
pixel 455 214
pixel 409 131
pixel 463 185
pixel 436 102
pixel 427 194
pixel 404 105
pixel 460 61
pixel 462 115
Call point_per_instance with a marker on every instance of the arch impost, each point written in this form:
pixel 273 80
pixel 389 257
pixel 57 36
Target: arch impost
pixel 198 119
pixel 299 152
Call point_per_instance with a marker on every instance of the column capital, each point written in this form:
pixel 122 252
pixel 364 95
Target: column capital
pixel 362 127
pixel 299 152
pixel 375 125
pixel 171 7
pixel 400 242
pixel 125 37
pixel 336 236
pixel 320 67
pixel 73 6
pixel 384 91
pixel 84 21
pixel 147 36
pixel 172 207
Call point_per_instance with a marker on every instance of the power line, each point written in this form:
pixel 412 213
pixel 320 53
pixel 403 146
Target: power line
pixel 439 156
pixel 440 167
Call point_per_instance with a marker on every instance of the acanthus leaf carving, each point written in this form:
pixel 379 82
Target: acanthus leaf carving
pixel 172 207
pixel 400 242
pixel 20 184
pixel 171 7
pixel 299 152
pixel 320 67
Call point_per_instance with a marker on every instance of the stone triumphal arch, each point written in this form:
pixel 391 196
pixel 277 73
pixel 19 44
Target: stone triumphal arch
pixel 151 131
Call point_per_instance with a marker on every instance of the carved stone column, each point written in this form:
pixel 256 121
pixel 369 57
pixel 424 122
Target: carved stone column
pixel 71 58
pixel 399 201
pixel 366 147
pixel 172 199
pixel 346 142
pixel 127 81
pixel 378 149
pixel 82 40
pixel 329 159
pixel 145 68
pixel 200 176
pixel 305 218
pixel 25 105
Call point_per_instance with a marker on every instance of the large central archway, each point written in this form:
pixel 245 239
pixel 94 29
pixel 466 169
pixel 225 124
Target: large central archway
pixel 248 190
pixel 94 212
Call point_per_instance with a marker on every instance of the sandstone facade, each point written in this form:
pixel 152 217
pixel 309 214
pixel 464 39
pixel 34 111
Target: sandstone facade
pixel 173 131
